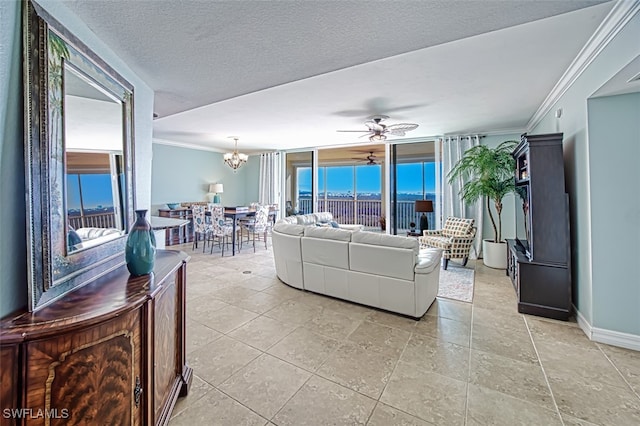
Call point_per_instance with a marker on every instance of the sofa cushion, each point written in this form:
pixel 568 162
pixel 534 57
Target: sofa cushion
pixel 288 219
pixel 91 233
pixel 378 239
pixel 373 259
pixel 323 217
pixel 352 228
pixel 306 219
pixel 328 233
pixel 289 229
pixel 326 246
pixel 439 242
pixel 457 227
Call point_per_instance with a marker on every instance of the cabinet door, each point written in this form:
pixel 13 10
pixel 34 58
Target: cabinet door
pixel 8 384
pixel 166 328
pixel 89 376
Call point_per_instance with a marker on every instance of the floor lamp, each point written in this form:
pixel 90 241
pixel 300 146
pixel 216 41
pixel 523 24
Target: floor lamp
pixel 424 206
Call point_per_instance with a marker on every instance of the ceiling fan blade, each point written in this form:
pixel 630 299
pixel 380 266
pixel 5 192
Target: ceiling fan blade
pixel 358 131
pixel 396 132
pixel 403 127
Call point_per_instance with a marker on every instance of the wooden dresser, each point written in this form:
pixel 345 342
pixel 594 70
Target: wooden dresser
pixel 181 235
pixel 111 352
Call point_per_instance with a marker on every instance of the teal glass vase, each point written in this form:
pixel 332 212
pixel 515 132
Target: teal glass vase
pixel 140 251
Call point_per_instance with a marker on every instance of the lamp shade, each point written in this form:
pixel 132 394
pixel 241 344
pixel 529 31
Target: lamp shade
pixel 424 206
pixel 216 188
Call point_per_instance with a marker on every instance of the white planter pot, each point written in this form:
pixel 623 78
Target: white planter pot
pixel 494 255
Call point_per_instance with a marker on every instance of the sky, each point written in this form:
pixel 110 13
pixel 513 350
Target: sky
pixel 96 191
pixel 339 179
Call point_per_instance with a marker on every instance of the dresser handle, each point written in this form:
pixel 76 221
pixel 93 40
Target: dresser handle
pixel 137 392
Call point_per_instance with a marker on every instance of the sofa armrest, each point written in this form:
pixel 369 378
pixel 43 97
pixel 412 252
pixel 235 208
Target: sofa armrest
pixel 428 232
pixel 428 260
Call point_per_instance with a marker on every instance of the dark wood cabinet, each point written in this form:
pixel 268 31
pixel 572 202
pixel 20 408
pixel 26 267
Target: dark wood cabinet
pixel 110 352
pixel 183 234
pixel 538 259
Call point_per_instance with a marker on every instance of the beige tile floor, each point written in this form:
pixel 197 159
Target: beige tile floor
pixel 265 353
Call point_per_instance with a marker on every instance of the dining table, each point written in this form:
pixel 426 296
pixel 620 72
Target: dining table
pixel 236 213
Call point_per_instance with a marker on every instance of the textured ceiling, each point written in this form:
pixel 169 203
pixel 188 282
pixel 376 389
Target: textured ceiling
pixel 284 74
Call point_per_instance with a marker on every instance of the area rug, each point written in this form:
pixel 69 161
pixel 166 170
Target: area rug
pixel 457 282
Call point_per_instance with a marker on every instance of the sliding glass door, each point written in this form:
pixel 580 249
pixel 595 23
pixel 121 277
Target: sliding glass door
pixel 350 184
pixel 299 182
pixel 413 197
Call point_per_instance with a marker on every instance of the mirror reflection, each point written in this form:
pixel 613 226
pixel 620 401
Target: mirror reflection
pixel 94 163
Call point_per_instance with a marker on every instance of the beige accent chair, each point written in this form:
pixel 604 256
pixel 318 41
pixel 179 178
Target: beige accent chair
pixel 455 238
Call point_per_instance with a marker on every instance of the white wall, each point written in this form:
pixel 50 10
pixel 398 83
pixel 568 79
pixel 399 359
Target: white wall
pixel 573 123
pixel 13 270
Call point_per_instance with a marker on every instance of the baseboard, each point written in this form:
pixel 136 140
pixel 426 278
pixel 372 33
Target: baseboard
pixel 609 337
pixel 583 323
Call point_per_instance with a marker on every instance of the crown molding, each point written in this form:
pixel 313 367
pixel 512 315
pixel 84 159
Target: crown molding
pixel 200 147
pixel 186 145
pixel 621 13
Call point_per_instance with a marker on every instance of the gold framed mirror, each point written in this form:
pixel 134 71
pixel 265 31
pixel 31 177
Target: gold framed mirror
pixel 79 160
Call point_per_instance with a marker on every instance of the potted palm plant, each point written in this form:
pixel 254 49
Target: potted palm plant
pixel 489 175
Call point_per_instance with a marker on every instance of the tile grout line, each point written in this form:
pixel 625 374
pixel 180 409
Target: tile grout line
pixel 466 399
pixel 544 372
pixel 598 345
pixel 386 384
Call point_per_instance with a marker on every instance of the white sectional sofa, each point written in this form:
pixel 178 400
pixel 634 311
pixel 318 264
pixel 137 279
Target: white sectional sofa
pixel 384 271
pixel 319 219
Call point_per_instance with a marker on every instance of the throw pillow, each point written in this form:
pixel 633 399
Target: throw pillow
pixel 73 238
pixel 334 224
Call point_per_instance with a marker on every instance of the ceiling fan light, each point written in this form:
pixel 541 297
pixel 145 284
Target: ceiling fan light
pixel 377 138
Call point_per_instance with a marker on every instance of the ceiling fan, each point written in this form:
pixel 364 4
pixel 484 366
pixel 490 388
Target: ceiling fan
pixel 371 159
pixel 377 131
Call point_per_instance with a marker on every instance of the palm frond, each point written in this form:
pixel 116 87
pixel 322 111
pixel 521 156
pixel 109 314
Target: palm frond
pixel 486 172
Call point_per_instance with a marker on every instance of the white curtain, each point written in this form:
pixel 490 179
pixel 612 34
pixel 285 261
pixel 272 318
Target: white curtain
pixel 270 175
pixel 452 150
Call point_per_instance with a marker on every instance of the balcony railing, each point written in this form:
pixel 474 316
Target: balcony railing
pixel 366 212
pixel 97 220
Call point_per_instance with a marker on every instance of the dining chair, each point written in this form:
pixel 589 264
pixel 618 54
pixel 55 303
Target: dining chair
pixel 259 225
pixel 221 230
pixel 201 228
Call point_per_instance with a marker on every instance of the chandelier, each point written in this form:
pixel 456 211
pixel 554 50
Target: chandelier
pixel 234 159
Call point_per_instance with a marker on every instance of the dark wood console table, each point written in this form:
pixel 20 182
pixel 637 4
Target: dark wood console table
pixel 110 352
pixel 178 235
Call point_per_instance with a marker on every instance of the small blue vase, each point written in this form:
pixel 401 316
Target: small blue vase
pixel 140 251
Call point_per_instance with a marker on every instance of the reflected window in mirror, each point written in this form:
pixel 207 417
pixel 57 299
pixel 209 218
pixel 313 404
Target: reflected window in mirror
pixel 93 162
